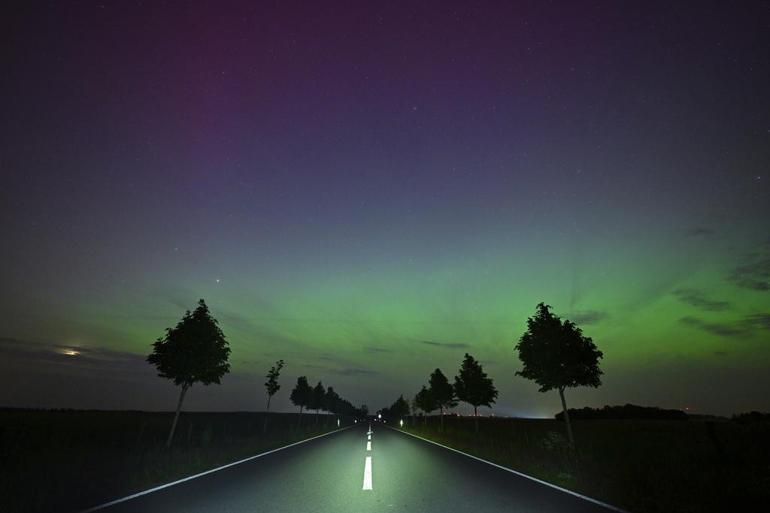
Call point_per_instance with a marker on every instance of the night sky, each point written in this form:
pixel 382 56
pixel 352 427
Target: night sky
pixel 370 191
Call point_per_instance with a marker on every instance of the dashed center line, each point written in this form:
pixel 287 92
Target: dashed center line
pixel 368 474
pixel 369 446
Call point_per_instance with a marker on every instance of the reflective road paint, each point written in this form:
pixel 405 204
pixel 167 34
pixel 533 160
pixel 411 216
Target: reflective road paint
pixel 368 473
pixel 325 475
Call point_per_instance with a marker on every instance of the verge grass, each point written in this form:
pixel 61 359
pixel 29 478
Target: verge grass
pixel 639 465
pixel 70 460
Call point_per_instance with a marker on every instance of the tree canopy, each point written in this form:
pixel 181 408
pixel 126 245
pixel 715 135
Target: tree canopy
pixel 194 351
pixel 442 391
pixel 317 397
pixel 271 385
pixel 424 400
pixel 302 394
pixel 556 355
pixel 400 408
pixel 473 386
pixel 332 401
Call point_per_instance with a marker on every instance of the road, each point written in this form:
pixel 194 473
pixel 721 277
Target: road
pixel 353 471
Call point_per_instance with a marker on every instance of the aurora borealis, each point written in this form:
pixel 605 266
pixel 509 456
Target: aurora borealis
pixel 369 192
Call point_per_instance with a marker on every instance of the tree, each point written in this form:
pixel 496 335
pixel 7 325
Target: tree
pixel 301 395
pixel 556 355
pixel 443 393
pixel 474 387
pixel 317 399
pixel 272 386
pixel 424 401
pixel 194 351
pixel 399 409
pixel 332 401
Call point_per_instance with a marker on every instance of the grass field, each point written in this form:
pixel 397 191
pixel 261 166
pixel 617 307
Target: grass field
pixel 642 466
pixel 69 460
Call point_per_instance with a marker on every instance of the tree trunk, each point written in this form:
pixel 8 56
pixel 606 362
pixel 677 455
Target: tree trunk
pixel 176 416
pixel 442 419
pixel 476 419
pixel 267 413
pixel 566 419
pixel 425 420
pixel 299 420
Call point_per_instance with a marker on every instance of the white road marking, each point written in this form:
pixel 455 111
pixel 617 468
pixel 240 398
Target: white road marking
pixel 368 474
pixel 521 474
pixel 368 437
pixel 368 446
pixel 178 481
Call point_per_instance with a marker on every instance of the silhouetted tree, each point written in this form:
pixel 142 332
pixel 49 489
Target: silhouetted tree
pixel 363 410
pixel 556 355
pixel 424 401
pixel 301 395
pixel 317 399
pixel 443 393
pixel 399 409
pixel 194 351
pixel 474 387
pixel 332 402
pixel 272 386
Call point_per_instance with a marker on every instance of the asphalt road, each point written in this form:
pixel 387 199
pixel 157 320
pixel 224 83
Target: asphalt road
pixel 329 474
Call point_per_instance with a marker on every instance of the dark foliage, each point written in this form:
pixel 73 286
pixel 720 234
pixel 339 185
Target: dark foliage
pixel 627 411
pixel 424 400
pixel 752 416
pixel 473 386
pixel 194 351
pixel 271 385
pixel 555 353
pixel 442 392
pixel 302 394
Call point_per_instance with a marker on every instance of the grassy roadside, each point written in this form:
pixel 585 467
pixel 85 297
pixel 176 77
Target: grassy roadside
pixel 70 460
pixel 641 466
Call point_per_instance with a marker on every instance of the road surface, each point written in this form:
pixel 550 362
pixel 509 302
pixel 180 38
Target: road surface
pixel 354 471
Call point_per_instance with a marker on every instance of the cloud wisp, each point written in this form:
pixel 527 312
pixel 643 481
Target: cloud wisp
pixel 700 300
pixel 445 345
pixel 588 317
pixel 715 328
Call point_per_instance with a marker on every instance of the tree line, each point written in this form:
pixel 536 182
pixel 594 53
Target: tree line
pixel 318 398
pixel 471 385
pixel 196 351
pixel 554 352
pixel 555 355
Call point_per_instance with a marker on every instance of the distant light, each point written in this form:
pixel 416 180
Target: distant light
pixel 355 422
pixel 379 415
pixel 338 422
pixel 70 352
pixel 401 422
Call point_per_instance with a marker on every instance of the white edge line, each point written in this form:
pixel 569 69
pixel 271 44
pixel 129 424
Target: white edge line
pixel 546 483
pixel 205 472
